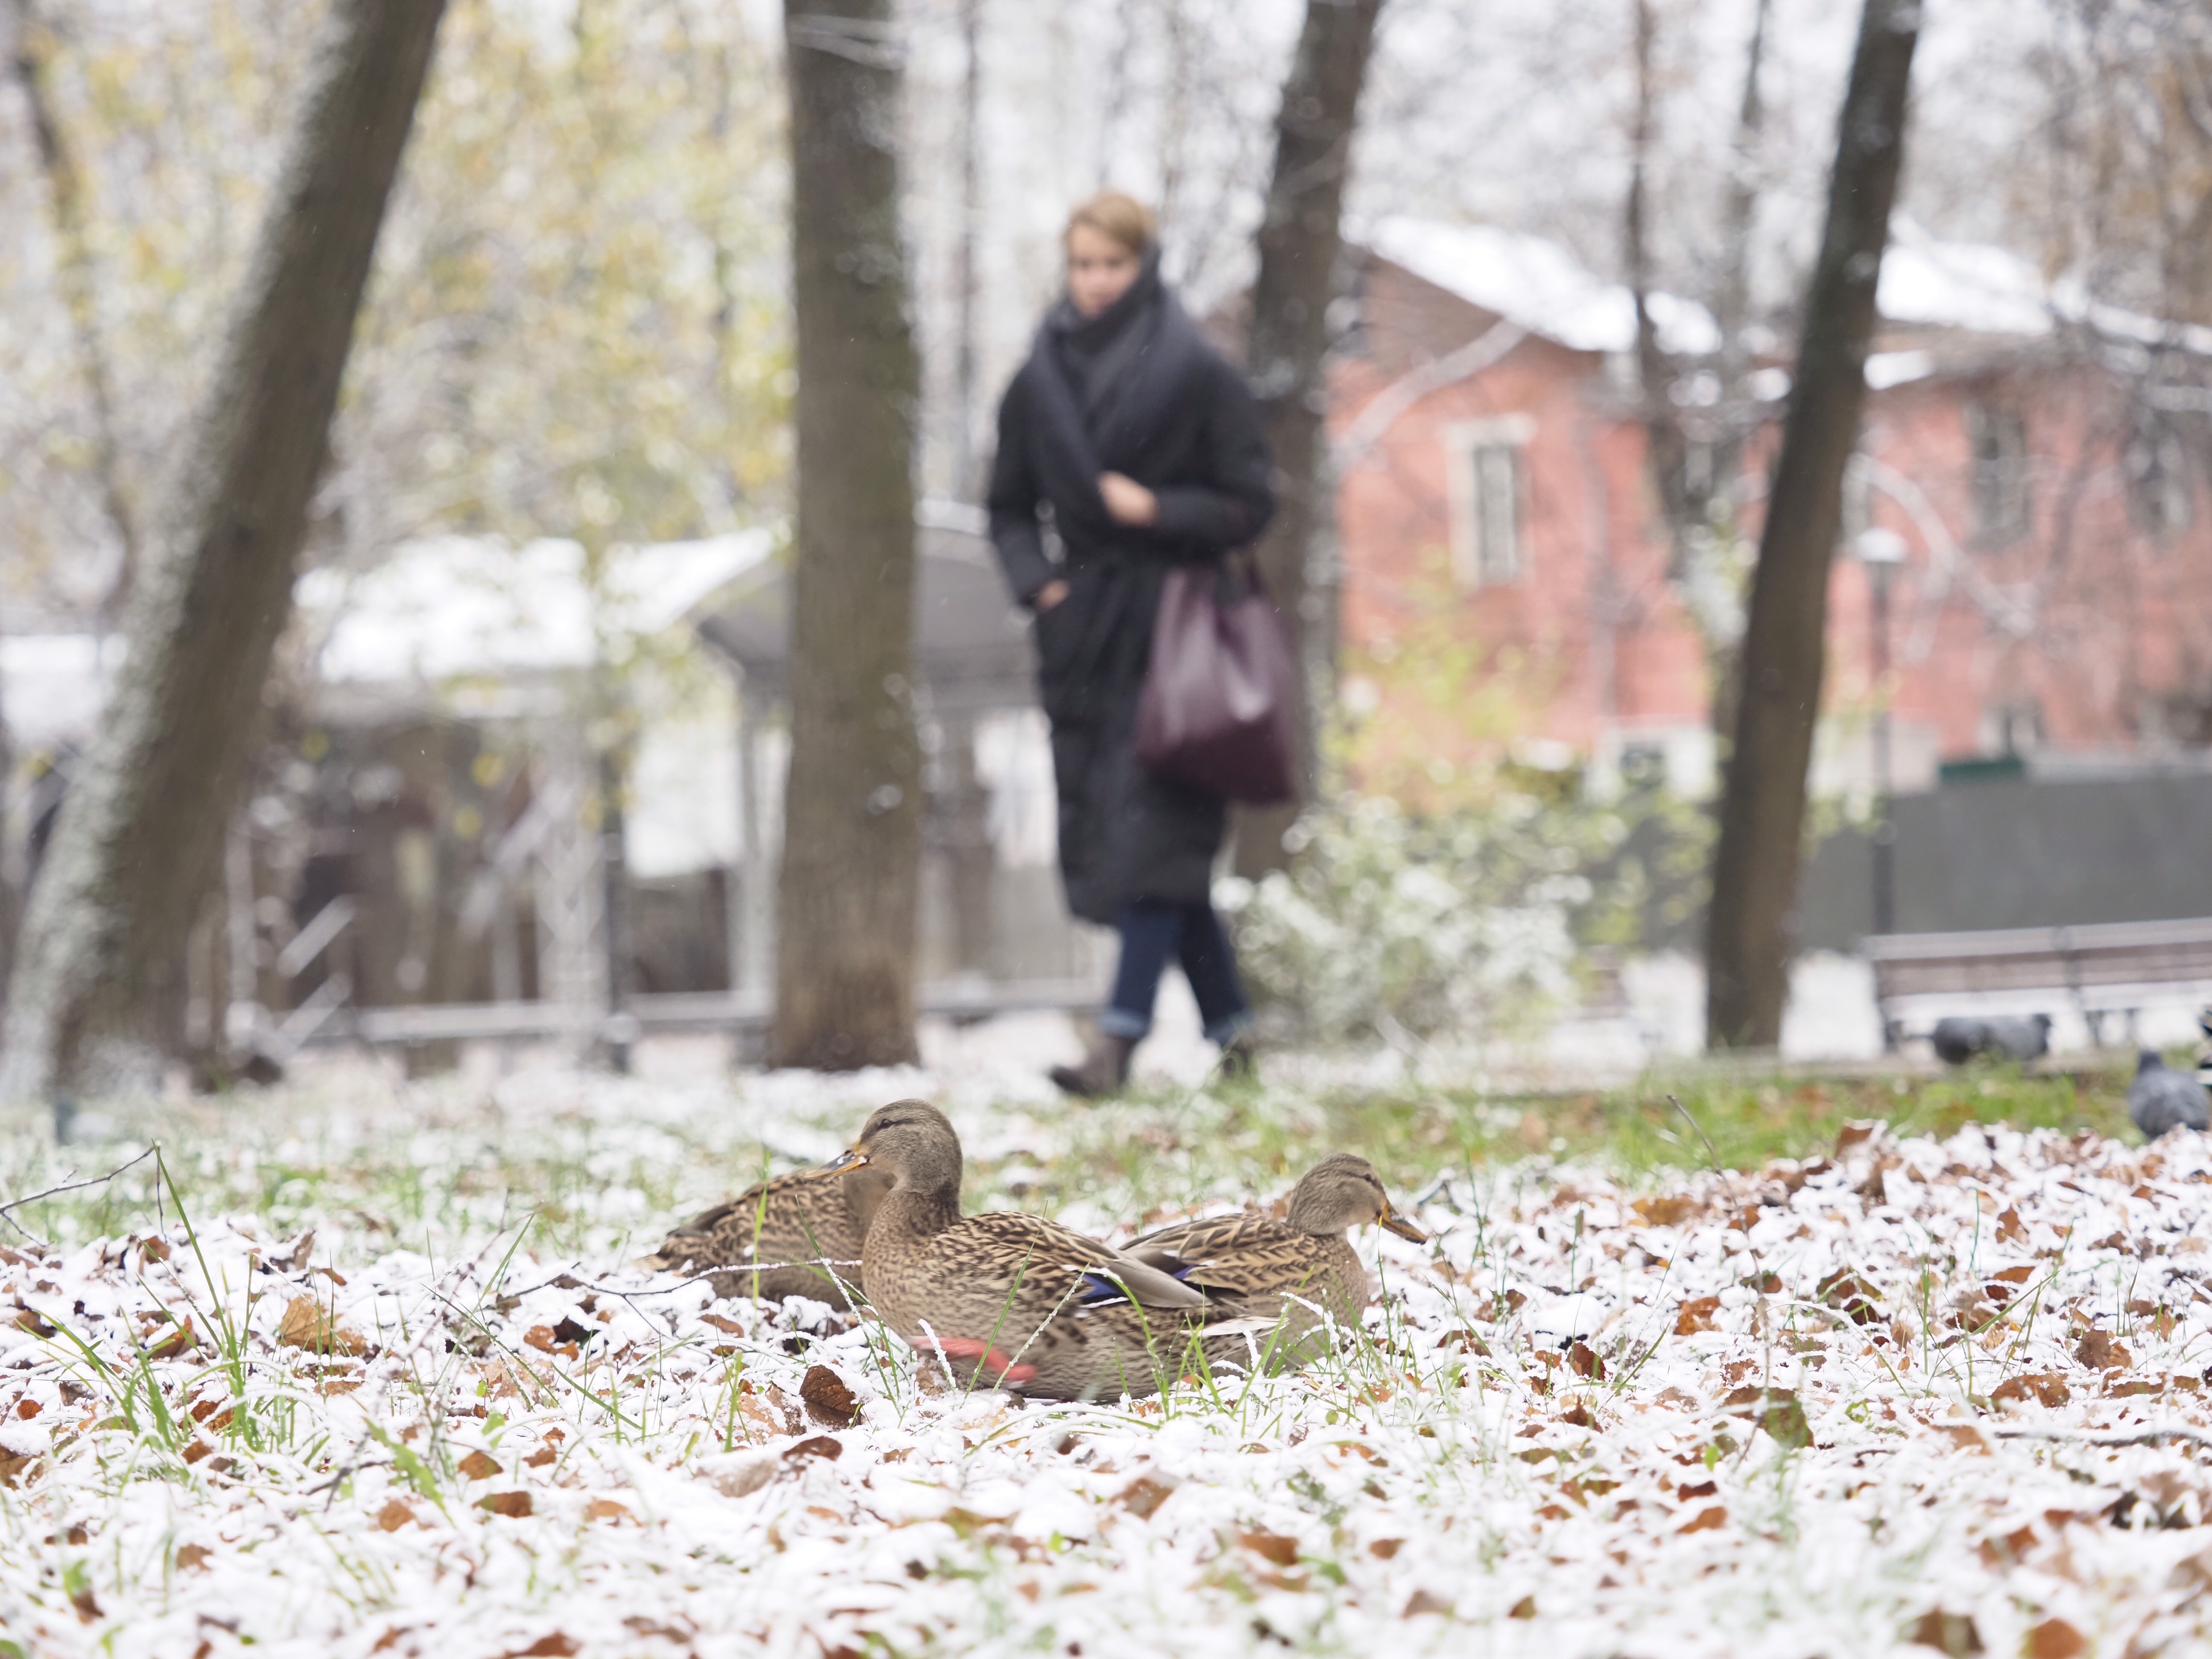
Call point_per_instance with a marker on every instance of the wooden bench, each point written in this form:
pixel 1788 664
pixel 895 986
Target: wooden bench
pixel 2105 971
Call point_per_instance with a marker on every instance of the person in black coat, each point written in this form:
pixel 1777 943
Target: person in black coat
pixel 1126 445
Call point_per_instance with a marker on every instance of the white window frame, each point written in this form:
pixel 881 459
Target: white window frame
pixel 1463 441
pixel 2001 482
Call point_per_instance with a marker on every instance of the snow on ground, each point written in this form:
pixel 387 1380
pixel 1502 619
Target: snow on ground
pixel 1949 1392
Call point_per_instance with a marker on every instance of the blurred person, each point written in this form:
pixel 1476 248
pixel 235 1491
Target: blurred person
pixel 1126 445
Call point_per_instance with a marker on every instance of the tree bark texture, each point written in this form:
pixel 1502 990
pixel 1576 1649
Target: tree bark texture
pixel 845 939
pixel 1300 246
pixel 1756 863
pixel 136 845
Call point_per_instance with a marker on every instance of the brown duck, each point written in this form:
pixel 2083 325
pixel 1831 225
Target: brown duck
pixel 1270 1281
pixel 1009 1301
pixel 791 1235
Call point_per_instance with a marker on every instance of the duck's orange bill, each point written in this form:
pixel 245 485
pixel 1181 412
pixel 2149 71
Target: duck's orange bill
pixel 1397 1224
pixel 851 1159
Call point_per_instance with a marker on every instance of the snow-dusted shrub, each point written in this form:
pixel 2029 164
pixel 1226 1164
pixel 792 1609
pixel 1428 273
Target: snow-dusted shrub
pixel 1465 923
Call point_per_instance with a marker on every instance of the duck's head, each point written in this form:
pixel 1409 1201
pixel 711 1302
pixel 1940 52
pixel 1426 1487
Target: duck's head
pixel 1344 1191
pixel 909 1140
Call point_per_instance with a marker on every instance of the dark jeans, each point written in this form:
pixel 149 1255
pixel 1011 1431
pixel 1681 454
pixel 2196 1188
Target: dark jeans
pixel 1152 930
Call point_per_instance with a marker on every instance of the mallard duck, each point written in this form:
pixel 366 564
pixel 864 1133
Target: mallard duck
pixel 1270 1281
pixel 786 1236
pixel 1009 1301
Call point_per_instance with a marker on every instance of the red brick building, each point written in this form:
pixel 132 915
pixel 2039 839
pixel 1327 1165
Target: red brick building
pixel 1507 579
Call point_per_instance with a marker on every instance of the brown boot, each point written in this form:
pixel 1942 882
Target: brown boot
pixel 1104 1070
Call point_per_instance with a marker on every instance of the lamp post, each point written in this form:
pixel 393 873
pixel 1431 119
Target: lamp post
pixel 1882 553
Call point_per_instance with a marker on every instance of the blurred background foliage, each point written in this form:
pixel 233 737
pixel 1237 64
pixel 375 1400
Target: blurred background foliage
pixel 577 325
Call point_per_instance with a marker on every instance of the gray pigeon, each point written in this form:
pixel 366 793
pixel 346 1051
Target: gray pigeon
pixel 1959 1040
pixel 2162 1098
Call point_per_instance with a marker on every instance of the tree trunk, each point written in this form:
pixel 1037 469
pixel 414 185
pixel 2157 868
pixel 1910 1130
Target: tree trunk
pixel 1711 590
pixel 1783 654
pixel 103 939
pixel 1300 245
pixel 1665 445
pixel 967 481
pixel 74 273
pixel 845 923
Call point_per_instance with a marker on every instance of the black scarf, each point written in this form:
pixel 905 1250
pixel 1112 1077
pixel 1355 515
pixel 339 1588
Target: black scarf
pixel 1098 386
pixel 1097 353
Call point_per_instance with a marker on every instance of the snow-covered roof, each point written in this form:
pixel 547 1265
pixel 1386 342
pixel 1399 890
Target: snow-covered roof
pixel 1964 285
pixel 454 607
pixel 1538 284
pixel 1974 288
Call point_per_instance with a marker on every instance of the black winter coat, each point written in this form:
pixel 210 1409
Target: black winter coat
pixel 1168 411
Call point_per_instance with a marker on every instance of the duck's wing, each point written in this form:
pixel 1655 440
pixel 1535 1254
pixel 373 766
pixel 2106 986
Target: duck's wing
pixel 1066 1265
pixel 1231 1255
pixel 695 1240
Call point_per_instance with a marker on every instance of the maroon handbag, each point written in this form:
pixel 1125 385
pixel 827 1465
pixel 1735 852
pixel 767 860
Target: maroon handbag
pixel 1219 704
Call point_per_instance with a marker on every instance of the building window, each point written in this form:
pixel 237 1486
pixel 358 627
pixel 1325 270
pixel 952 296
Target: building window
pixel 1488 490
pixel 1998 438
pixel 2012 728
pixel 2158 475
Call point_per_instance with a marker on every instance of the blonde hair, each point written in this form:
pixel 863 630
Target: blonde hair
pixel 1118 216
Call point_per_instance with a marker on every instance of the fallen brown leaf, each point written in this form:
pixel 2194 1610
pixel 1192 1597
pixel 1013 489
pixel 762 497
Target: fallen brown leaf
pixel 1947 1633
pixel 558 1645
pixel 394 1515
pixel 512 1504
pixel 2100 1351
pixel 1966 1436
pixel 1850 1295
pixel 1423 1601
pixel 308 1324
pixel 1143 1496
pixel 1706 1521
pixel 1699 1313
pixel 193 1555
pixel 605 1509
pixel 828 1402
pixel 1272 1545
pixel 1779 1411
pixel 479 1466
pixel 2043 1388
pixel 2054 1638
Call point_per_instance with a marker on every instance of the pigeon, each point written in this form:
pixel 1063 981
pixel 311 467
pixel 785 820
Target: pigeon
pixel 1958 1040
pixel 2162 1098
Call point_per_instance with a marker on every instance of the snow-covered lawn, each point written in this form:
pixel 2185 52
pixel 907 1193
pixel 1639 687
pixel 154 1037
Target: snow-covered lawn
pixel 386 1384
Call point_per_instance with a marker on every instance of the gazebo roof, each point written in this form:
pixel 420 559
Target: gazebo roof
pixel 971 642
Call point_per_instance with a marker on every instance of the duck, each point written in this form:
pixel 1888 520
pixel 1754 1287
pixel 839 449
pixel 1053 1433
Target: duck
pixel 1006 1301
pixel 2161 1099
pixel 790 1236
pixel 1272 1281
